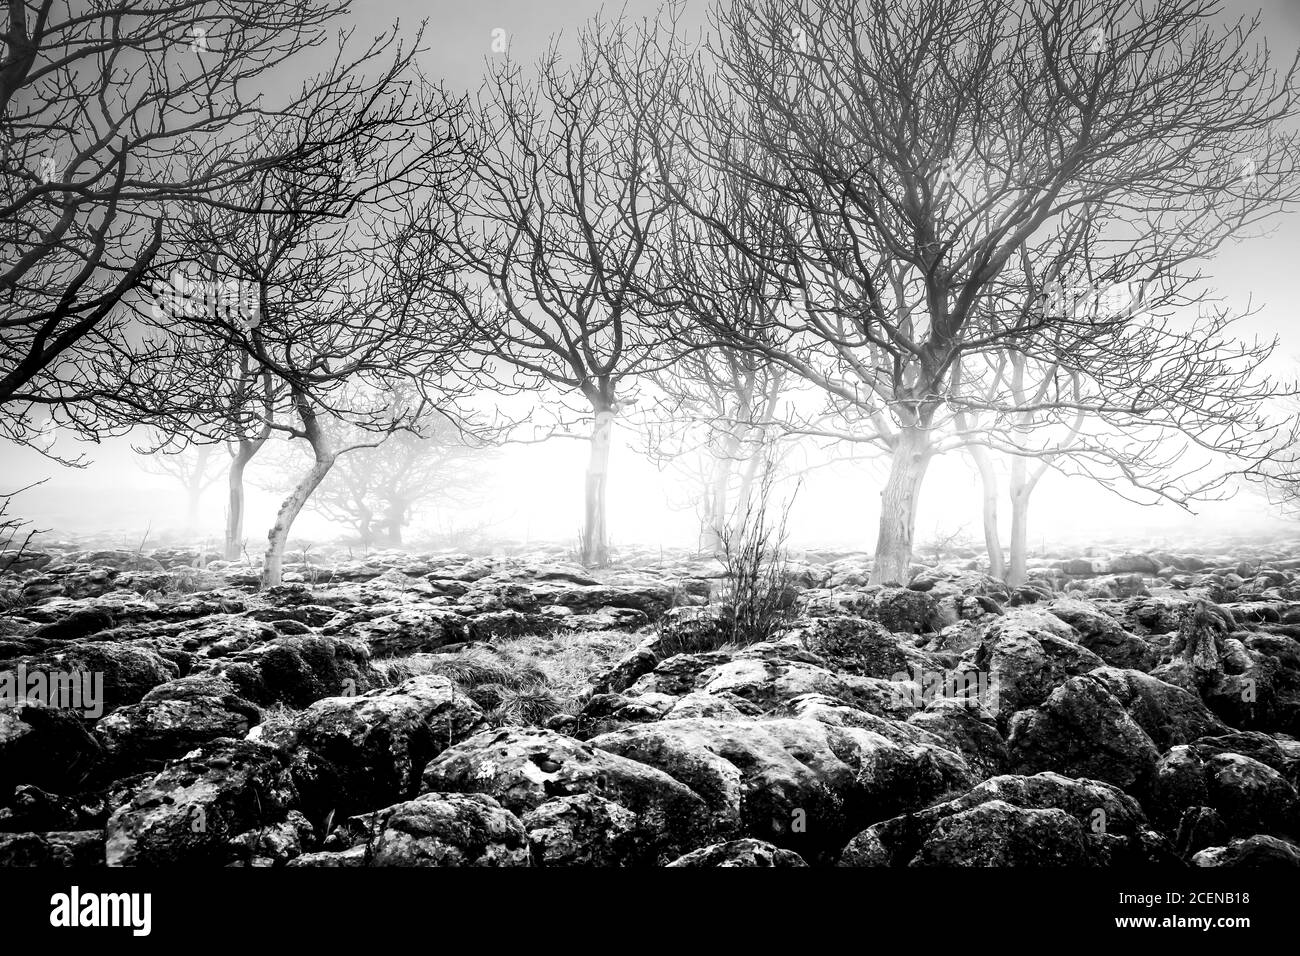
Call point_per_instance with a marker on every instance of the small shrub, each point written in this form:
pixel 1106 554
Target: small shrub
pixel 757 594
pixel 694 630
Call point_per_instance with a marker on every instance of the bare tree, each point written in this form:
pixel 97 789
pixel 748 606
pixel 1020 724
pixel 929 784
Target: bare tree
pixel 341 308
pixel 925 164
pixel 1117 384
pixel 717 396
pixel 194 467
pixel 559 236
pixel 718 413
pixel 378 488
pixel 113 118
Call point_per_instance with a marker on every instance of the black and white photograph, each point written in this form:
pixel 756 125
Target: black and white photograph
pixel 615 437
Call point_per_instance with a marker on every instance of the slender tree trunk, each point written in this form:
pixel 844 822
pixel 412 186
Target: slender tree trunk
pixel 1020 491
pixel 716 518
pixel 235 511
pixel 365 525
pixel 393 522
pixel 746 485
pixel 989 484
pixel 194 488
pixel 595 535
pixel 898 505
pixel 193 494
pixel 759 457
pixel 273 563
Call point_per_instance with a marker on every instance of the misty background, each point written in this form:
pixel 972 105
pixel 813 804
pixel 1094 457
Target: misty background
pixel 534 492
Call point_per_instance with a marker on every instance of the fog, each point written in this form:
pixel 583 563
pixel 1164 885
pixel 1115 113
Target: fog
pixel 535 492
pixel 536 495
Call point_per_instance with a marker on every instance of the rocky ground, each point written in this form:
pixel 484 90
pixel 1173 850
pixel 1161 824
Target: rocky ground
pixel 442 709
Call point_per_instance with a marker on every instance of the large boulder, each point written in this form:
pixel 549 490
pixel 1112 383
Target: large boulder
pixel 1251 796
pixel 802 784
pixel 898 609
pixel 747 852
pixel 523 768
pixel 300 670
pixel 1257 851
pixel 1169 714
pixel 187 814
pixel 1282 754
pixel 998 834
pixel 1248 796
pixel 82 622
pixel 1027 655
pixel 969 731
pixel 1081 730
pixel 652 600
pixel 444 829
pixel 1133 564
pixel 410 630
pixel 582 830
pixel 352 754
pixel 855 646
pixel 121 673
pixel 1109 826
pixel 145 734
pixel 1112 587
pixel 756 682
pixel 1103 634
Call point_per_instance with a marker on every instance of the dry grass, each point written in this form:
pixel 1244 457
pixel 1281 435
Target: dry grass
pixel 521 681
pixel 275 718
pixel 757 593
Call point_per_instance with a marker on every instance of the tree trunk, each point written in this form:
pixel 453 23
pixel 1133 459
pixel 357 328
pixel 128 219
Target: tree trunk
pixel 192 496
pixel 989 484
pixel 365 526
pixel 194 488
pixel 746 486
pixel 273 563
pixel 1021 488
pixel 595 538
pixel 235 512
pixel 715 499
pixel 393 522
pixel 898 504
pixel 716 518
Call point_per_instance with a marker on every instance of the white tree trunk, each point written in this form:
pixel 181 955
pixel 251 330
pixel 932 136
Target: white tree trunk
pixel 1021 488
pixel 716 520
pixel 235 511
pixel 898 504
pixel 273 563
pixel 278 536
pixel 989 484
pixel 595 535
pixel 194 489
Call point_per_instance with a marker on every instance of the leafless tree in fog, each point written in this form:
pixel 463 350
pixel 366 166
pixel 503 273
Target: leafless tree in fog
pixel 378 488
pixel 195 467
pixel 724 398
pixel 913 156
pixel 559 236
pixel 342 310
pixel 114 121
